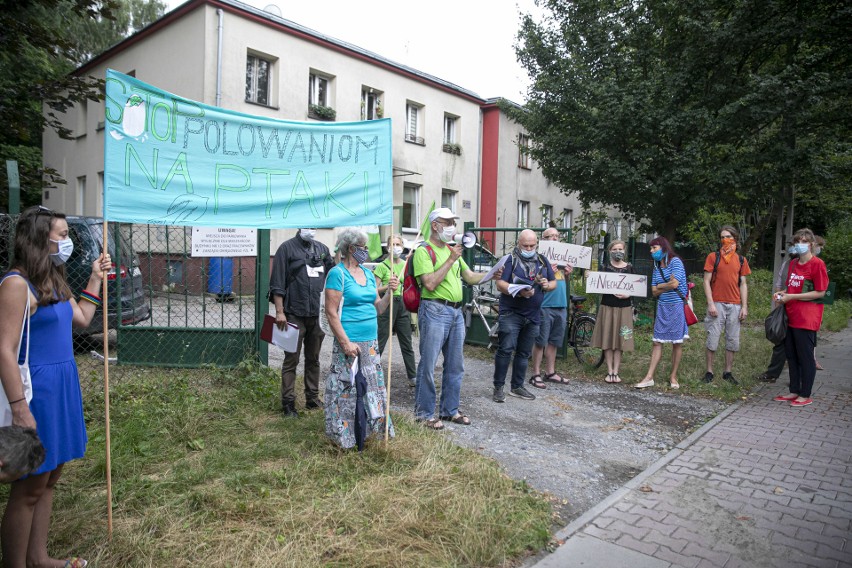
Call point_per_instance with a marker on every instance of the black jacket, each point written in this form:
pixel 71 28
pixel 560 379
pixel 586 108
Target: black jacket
pixel 289 278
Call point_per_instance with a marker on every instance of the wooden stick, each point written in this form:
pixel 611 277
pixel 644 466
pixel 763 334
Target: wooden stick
pixel 105 308
pixel 389 347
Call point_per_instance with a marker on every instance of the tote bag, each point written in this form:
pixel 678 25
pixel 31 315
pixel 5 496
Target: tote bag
pixel 5 407
pixel 775 325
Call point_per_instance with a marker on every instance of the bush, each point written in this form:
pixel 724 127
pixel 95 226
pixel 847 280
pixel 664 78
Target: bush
pixel 836 255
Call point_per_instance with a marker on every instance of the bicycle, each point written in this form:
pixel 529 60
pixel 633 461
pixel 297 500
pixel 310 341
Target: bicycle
pixel 581 327
pixel 482 303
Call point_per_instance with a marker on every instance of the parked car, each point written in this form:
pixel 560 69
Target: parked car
pixel 87 235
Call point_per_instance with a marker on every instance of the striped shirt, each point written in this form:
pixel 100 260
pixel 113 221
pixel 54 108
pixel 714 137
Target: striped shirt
pixel 675 268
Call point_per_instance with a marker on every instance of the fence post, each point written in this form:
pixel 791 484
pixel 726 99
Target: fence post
pixel 14 186
pixel 261 285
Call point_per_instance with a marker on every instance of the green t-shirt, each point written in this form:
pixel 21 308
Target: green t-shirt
pixel 450 288
pixel 382 272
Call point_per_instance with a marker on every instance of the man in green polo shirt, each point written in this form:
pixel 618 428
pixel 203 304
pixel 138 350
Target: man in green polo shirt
pixel 401 316
pixel 440 320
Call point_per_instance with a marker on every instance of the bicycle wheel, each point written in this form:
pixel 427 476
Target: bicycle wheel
pixel 581 337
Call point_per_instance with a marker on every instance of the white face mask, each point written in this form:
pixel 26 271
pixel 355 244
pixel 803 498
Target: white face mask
pixel 307 234
pixel 66 247
pixel 397 251
pixel 447 234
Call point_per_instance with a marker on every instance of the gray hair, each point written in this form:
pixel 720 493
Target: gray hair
pixel 349 237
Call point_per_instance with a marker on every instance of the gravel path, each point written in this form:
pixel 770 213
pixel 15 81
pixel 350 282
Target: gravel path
pixel 577 443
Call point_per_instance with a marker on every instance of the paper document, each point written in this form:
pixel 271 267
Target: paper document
pixel 490 274
pixel 515 288
pixel 287 339
pixel 353 370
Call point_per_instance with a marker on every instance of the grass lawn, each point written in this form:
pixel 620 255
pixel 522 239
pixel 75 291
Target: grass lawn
pixel 207 473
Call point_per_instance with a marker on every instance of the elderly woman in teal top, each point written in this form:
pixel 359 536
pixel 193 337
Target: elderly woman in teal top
pixel 355 334
pixel 393 264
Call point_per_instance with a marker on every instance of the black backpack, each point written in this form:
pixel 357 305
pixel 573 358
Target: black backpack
pixel 716 267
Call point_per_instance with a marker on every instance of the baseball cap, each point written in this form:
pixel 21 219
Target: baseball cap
pixel 442 213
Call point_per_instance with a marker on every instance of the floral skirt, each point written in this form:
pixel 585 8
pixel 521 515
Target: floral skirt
pixel 341 396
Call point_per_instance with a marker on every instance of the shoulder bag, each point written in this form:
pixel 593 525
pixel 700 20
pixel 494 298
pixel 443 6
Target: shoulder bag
pixel 690 316
pixel 5 407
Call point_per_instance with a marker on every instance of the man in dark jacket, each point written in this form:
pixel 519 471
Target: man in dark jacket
pixel 296 281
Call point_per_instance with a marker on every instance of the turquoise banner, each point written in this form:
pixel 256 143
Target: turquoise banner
pixel 172 161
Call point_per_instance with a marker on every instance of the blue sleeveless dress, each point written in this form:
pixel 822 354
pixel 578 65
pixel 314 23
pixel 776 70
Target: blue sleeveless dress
pixel 57 403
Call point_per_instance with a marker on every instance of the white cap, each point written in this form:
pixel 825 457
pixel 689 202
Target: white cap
pixel 442 213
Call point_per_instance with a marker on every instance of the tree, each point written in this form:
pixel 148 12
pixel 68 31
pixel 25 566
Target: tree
pixel 41 42
pixel 661 107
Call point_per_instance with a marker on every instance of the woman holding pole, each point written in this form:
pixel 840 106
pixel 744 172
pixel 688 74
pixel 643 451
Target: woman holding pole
pixel 37 279
pixel 355 331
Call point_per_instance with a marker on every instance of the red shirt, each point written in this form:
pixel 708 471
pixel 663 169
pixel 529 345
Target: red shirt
pixel 805 314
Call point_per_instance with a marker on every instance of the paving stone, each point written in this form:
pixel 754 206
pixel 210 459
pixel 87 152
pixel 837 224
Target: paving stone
pixel 628 541
pixel 718 557
pixel 676 559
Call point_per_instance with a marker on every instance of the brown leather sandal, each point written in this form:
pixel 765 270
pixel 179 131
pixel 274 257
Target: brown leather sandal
pixel 433 424
pixel 536 381
pixel 560 380
pixel 457 419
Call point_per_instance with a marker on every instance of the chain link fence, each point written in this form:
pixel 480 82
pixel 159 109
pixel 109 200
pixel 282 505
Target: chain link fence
pixel 165 306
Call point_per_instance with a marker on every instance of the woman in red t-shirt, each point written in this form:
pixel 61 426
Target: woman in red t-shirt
pixel 807 280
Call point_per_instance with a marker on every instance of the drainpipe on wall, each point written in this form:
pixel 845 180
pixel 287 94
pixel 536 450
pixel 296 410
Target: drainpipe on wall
pixel 221 14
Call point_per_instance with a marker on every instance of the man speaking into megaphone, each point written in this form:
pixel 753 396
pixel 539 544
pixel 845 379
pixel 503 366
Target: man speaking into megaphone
pixel 440 269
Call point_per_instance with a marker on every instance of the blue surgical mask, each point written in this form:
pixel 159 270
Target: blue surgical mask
pixel 658 255
pixel 817 250
pixel 66 247
pixel 528 254
pixel 801 248
pixel 791 249
pixel 361 255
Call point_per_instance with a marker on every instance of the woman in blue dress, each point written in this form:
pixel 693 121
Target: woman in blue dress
pixel 355 334
pixel 37 279
pixel 669 286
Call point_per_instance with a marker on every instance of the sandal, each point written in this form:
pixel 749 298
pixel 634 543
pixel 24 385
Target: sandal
pixel 457 419
pixel 536 381
pixel 433 424
pixel 610 378
pixel 616 378
pixel 76 563
pixel 559 380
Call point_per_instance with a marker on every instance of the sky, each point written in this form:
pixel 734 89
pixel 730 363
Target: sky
pixel 466 42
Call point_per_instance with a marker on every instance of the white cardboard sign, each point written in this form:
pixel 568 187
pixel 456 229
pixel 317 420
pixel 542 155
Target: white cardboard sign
pixel 561 254
pixel 614 283
pixel 225 242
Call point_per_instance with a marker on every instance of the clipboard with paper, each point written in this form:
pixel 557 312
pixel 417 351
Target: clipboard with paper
pixel 287 339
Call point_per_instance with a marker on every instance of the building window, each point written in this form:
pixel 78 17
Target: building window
pixel 524 160
pixel 523 213
pixel 81 195
pixel 413 124
pixel 371 104
pixel 448 199
pixel 258 79
pixel 546 215
pixel 631 228
pixel 319 97
pixel 410 206
pixel 451 145
pixel 567 218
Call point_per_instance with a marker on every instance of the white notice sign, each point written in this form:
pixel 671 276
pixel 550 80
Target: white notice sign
pixel 561 254
pixel 614 283
pixel 210 241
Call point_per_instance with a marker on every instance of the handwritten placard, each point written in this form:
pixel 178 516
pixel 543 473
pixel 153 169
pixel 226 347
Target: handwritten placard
pixel 561 254
pixel 169 160
pixel 614 283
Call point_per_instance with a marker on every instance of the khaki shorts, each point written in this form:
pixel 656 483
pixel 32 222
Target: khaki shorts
pixel 728 319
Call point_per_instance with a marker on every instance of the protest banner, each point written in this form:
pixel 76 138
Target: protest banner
pixel 561 254
pixel 614 283
pixel 173 161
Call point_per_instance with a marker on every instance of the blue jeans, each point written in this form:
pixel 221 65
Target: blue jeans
pixel 441 331
pixel 516 333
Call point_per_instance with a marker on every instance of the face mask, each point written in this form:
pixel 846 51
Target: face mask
pixel 447 234
pixel 66 247
pixel 727 241
pixel 397 251
pixel 791 249
pixel 658 255
pixel 307 234
pixel 800 248
pixel 617 255
pixel 817 250
pixel 361 255
pixel 528 254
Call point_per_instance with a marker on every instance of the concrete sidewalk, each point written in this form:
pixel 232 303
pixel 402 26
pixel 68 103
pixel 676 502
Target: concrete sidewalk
pixel 762 484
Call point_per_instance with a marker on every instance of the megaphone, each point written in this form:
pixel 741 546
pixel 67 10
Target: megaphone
pixel 467 240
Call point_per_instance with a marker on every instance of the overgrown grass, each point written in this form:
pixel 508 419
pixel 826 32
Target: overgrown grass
pixel 206 472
